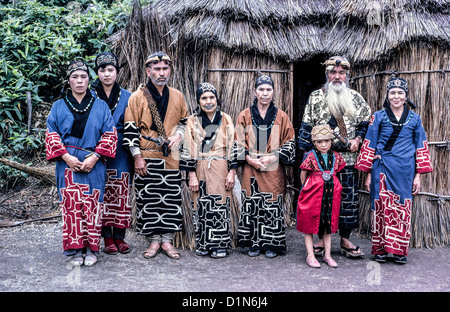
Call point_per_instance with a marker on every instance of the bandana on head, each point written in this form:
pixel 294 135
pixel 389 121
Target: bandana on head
pixel 106 58
pixel 337 61
pixel 76 65
pixel 263 79
pixel 205 87
pixel 397 82
pixel 158 57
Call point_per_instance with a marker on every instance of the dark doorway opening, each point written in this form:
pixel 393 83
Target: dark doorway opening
pixel 308 76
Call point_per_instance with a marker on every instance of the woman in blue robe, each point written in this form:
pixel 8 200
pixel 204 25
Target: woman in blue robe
pixel 395 154
pixel 80 136
pixel 117 213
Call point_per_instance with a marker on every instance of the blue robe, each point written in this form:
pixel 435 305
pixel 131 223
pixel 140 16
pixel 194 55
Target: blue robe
pixel 392 176
pixel 117 201
pixel 81 194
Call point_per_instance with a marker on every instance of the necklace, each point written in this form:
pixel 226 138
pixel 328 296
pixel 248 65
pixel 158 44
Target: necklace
pixel 258 126
pixel 78 110
pixel 117 102
pixel 325 175
pixel 200 133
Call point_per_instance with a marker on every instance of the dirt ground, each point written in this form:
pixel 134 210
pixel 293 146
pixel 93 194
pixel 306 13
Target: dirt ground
pixel 32 261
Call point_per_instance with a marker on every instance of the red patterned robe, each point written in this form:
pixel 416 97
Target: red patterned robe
pixel 309 203
pixel 81 194
pixel 392 178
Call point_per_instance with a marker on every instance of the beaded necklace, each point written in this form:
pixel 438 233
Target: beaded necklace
pixel 200 133
pixel 264 129
pixel 78 110
pixel 117 102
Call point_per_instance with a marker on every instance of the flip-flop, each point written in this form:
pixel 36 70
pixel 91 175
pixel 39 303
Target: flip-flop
pixel 349 252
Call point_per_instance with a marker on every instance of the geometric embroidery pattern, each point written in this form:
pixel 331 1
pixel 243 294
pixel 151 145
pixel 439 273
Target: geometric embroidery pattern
pixel 261 223
pixel 365 157
pixel 423 163
pixel 81 214
pixel 391 222
pixel 117 202
pixel 54 147
pixel 158 199
pixel 212 220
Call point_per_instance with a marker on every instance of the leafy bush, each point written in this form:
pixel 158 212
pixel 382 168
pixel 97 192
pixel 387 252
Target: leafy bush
pixel 38 40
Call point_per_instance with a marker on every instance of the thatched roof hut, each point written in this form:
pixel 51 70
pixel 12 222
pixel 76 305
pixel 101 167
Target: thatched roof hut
pixel 228 43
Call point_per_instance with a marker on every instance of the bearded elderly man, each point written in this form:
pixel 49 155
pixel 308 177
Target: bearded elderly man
pixel 154 127
pixel 348 114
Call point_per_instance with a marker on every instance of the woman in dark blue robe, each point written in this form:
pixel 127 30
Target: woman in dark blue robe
pixel 394 153
pixel 117 214
pixel 80 136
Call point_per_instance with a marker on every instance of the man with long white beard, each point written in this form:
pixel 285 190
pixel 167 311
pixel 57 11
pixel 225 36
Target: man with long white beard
pixel 348 115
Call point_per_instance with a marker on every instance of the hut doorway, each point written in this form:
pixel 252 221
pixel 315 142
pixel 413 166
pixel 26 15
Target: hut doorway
pixel 307 76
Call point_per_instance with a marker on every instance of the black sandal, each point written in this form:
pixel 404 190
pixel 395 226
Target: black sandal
pixel 380 258
pixel 349 252
pixel 399 259
pixel 319 251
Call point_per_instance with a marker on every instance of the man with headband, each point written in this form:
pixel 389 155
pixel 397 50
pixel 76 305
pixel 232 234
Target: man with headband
pixel 117 203
pixel 154 127
pixel 347 113
pixel 264 145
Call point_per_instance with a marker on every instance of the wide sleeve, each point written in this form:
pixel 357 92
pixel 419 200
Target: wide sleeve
pixel 132 119
pixel 107 145
pixel 183 117
pixel 240 146
pixel 188 151
pixel 339 162
pixel 367 153
pixel 286 152
pixel 230 135
pixel 304 133
pixel 54 148
pixel 364 115
pixel 308 163
pixel 423 162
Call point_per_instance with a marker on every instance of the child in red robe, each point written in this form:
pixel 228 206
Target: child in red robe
pixel 320 197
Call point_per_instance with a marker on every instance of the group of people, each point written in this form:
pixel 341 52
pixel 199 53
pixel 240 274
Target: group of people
pixel 105 139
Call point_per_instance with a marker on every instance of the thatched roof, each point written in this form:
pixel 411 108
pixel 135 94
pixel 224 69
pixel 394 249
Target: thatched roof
pixel 293 30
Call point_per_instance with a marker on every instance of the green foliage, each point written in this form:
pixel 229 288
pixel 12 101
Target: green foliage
pixel 38 40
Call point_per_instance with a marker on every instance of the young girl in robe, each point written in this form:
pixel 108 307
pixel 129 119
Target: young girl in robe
pixel 320 197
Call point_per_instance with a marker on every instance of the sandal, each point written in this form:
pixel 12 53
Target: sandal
pixel 151 251
pixel 201 253
pixel 110 246
pixel 352 252
pixel 399 259
pixel 380 258
pixel 90 260
pixel 171 252
pixel 318 251
pixel 219 253
pixel 122 246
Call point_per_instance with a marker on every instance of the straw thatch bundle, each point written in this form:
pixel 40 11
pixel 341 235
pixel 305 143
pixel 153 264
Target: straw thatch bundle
pixel 228 43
